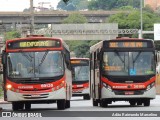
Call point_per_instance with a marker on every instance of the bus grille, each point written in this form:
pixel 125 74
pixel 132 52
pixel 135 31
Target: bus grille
pixel 138 92
pixel 35 96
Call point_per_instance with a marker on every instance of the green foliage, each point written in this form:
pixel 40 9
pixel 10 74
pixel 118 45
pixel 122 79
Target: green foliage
pixel 112 4
pixel 81 48
pixel 12 35
pixel 132 20
pixel 73 5
pixel 75 18
pixel 65 1
pixel 126 8
pixel 1 91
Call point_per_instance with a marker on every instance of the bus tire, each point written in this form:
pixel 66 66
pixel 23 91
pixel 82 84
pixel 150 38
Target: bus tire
pixel 103 103
pixel 132 103
pixel 95 102
pixel 27 106
pixel 139 103
pixel 17 105
pixel 67 104
pixel 14 106
pixel 61 104
pixel 146 102
pixel 86 97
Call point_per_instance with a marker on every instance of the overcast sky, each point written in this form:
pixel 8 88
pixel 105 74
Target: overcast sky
pixel 20 5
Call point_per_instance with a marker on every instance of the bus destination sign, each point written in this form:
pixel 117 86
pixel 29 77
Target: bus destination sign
pixel 79 62
pixel 128 44
pixel 33 44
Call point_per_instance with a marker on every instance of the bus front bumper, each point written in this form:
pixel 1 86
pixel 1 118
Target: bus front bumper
pixel 55 95
pixel 106 94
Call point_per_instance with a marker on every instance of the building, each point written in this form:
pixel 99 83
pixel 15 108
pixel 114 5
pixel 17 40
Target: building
pixel 154 4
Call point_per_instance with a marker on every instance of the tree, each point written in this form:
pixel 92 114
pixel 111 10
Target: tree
pixel 73 5
pixel 112 4
pixel 65 1
pixel 75 18
pixel 12 35
pixel 132 21
pixel 82 50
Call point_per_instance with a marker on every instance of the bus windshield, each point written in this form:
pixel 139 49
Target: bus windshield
pixel 35 64
pixel 80 73
pixel 128 63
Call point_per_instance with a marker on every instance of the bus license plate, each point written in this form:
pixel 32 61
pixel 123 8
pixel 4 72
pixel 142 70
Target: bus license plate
pixel 129 92
pixel 79 85
pixel 35 95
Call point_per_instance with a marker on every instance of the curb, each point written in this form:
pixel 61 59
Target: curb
pixel 3 102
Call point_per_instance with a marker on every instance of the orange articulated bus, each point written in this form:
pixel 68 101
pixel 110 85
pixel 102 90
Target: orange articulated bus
pixel 123 69
pixel 36 69
pixel 80 77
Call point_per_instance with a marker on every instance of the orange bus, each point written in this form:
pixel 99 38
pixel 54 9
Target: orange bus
pixel 80 77
pixel 123 69
pixel 36 69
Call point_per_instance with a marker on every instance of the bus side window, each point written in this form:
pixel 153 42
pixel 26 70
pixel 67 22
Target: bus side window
pixel 67 59
pixel 96 61
pixel 91 61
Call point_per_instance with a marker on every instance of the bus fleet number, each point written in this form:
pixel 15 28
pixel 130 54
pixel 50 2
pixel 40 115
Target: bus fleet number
pixel 46 85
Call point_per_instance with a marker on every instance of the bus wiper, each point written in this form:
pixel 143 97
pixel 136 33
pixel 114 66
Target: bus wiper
pixel 28 58
pixel 136 57
pixel 43 58
pixel 119 56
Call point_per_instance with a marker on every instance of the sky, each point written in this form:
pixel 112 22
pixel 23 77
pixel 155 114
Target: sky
pixel 20 5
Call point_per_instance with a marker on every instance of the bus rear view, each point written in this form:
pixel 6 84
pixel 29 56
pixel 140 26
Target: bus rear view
pixel 80 77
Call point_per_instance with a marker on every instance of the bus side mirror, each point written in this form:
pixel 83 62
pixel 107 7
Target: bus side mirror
pixel 68 62
pixel 91 65
pixel 3 57
pixel 98 56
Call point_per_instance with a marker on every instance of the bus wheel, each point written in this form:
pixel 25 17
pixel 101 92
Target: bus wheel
pixel 103 103
pixel 27 106
pixel 17 105
pixel 67 104
pixel 86 97
pixel 132 103
pixel 14 106
pixel 147 102
pixel 139 103
pixel 95 102
pixel 61 104
pixel 21 106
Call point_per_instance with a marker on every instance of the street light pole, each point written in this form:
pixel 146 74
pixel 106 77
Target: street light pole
pixel 141 34
pixel 32 17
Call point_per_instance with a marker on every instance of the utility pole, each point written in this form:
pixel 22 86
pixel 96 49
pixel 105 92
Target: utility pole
pixel 141 34
pixel 32 17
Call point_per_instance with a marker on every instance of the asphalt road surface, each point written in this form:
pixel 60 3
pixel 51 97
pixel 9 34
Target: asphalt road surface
pixel 83 109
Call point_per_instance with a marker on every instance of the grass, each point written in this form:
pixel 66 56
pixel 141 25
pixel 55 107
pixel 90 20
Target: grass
pixel 1 91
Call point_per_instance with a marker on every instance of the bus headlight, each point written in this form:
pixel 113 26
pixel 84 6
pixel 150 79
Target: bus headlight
pixel 107 86
pixel 9 86
pixel 150 86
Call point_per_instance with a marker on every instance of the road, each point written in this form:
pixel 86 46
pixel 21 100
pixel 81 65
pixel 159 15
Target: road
pixel 80 106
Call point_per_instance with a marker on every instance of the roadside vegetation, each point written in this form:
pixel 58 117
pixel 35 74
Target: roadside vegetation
pixel 129 18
